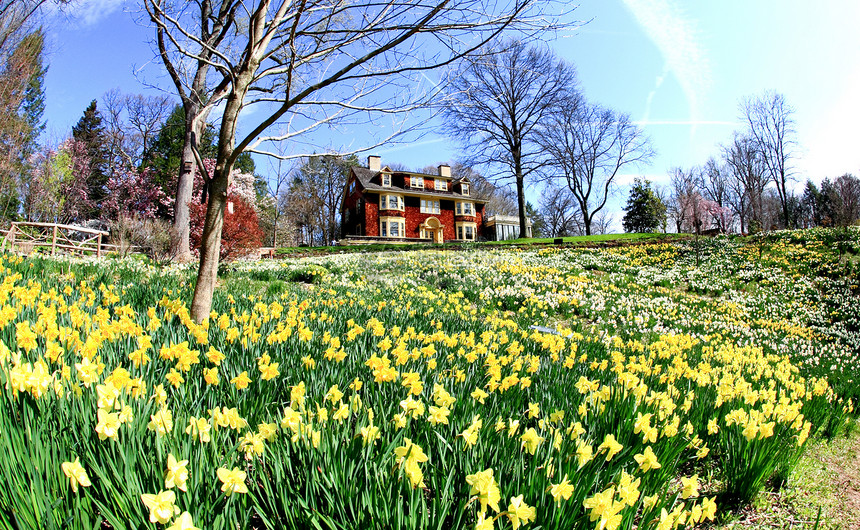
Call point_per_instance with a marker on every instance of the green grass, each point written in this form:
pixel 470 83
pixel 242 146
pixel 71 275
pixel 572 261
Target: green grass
pixel 600 238
pixel 825 481
pixel 381 247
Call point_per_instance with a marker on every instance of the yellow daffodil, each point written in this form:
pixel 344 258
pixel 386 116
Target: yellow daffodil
pixel 162 507
pixel 76 474
pixel 647 460
pixel 176 474
pixel 232 481
pixel 108 425
pixel 562 490
pixel 484 485
pixel 519 512
pixel 183 522
pixel 611 447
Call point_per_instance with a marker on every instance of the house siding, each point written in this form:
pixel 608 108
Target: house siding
pixel 371 215
pixel 361 206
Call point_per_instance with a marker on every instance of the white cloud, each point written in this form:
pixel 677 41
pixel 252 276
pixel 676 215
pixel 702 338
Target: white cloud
pixel 90 12
pixel 676 36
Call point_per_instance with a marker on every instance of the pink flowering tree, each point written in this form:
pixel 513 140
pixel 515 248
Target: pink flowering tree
pixel 134 193
pixel 721 216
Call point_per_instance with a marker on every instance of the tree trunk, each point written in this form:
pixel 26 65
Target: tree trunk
pixel 194 123
pixel 586 220
pixel 210 246
pixel 521 203
pixel 184 192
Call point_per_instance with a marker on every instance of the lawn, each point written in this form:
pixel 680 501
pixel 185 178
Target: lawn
pixel 660 385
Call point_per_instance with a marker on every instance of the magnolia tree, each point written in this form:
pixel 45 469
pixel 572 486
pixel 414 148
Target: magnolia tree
pixel 701 214
pixel 132 192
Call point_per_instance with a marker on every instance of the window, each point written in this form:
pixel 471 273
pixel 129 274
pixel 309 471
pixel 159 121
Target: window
pixel 464 188
pixel 441 185
pixel 429 206
pixel 466 231
pixel 386 180
pixel 416 182
pixel 392 227
pixel 390 202
pixel 465 208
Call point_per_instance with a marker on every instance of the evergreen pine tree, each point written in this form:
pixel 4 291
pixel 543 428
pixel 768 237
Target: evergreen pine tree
pixel 91 132
pixel 22 103
pixel 538 223
pixel 165 153
pixel 645 212
pixel 33 106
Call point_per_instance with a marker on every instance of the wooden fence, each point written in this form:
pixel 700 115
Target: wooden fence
pixel 27 237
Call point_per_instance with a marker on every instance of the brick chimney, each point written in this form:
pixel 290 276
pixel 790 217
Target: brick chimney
pixel 374 163
pixel 444 170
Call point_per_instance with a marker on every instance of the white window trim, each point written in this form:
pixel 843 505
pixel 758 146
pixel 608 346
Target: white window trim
pixel 430 206
pixel 464 188
pixel 416 182
pixel 385 224
pixel 440 184
pixel 462 226
pixel 386 180
pixel 460 208
pixel 385 200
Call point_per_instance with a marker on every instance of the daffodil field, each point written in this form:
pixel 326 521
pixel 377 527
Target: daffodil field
pixel 649 386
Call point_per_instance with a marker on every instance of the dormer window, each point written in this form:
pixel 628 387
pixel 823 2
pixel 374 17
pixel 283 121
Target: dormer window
pixel 416 182
pixel 440 185
pixel 464 188
pixel 386 180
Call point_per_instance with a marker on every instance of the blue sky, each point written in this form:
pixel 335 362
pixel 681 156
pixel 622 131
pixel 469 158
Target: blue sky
pixel 679 68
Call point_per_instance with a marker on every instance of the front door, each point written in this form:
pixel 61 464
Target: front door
pixel 437 236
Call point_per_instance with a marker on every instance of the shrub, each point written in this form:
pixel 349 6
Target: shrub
pixel 149 236
pixel 241 234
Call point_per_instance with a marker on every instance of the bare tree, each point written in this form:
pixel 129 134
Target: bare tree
pixel 192 38
pixel 771 125
pixel 495 104
pixel 118 148
pixel 588 146
pixel 324 178
pixel 682 190
pixel 602 223
pixel 145 115
pixel 845 200
pixel 747 180
pixel 309 64
pixel 276 189
pixel 559 211
pixel 714 180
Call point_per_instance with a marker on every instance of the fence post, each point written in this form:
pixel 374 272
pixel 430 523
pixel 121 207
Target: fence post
pixel 12 237
pixel 99 248
pixel 54 241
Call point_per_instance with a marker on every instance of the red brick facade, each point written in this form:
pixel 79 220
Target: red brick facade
pixel 361 205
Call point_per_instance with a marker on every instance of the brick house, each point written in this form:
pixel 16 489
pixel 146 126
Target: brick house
pixel 381 204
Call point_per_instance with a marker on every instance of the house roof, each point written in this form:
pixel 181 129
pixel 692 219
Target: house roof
pixel 365 178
